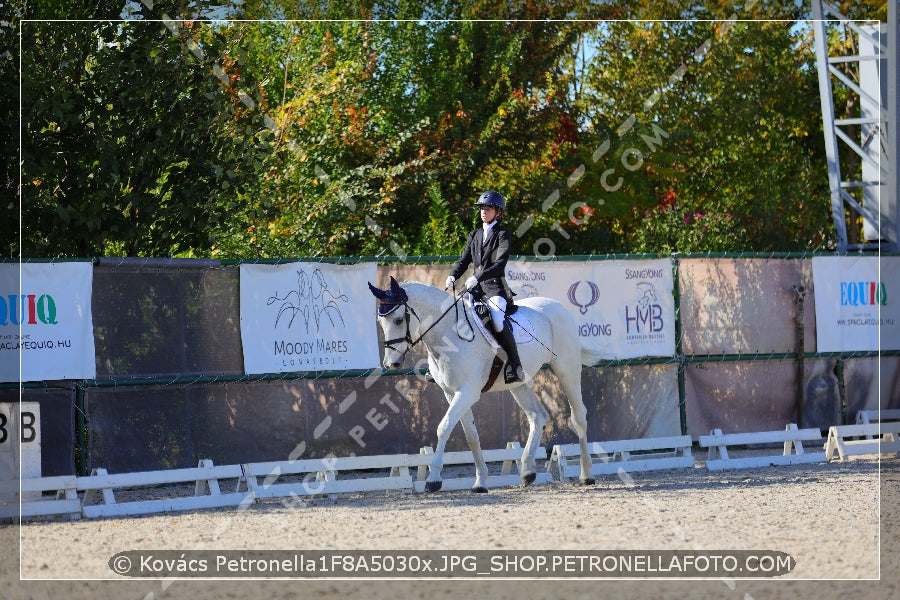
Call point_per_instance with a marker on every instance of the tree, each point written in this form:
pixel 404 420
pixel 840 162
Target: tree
pixel 385 110
pixel 724 125
pixel 356 137
pixel 122 138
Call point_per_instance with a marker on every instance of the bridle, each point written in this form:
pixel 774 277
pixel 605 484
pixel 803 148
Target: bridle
pixel 412 342
pixel 406 337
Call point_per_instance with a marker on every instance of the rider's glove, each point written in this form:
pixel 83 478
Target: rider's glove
pixel 471 282
pixel 450 281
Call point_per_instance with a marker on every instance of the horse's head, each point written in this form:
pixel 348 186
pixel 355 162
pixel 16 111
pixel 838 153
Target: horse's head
pixel 393 317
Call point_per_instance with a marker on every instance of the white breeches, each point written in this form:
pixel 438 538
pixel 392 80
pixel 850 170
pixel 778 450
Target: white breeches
pixel 497 306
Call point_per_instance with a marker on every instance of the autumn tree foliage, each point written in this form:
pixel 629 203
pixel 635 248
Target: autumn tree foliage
pixel 304 129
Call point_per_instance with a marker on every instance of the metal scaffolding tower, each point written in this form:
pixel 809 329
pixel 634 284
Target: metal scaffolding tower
pixel 869 187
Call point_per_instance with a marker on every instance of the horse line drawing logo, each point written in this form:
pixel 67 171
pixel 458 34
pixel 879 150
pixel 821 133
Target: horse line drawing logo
pixel 311 300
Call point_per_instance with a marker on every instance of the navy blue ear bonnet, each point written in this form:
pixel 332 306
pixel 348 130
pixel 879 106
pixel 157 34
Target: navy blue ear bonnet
pixel 390 298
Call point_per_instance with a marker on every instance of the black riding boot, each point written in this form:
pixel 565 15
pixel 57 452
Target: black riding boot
pixel 513 370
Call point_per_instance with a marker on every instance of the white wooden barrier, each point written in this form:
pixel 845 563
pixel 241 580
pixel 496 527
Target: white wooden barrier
pixel 629 455
pixel 866 438
pixel 874 416
pixel 793 452
pixel 864 417
pixel 252 481
pixel 319 476
pixel 98 498
pixel 65 501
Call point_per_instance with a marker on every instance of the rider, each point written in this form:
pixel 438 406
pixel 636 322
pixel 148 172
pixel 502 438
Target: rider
pixel 487 248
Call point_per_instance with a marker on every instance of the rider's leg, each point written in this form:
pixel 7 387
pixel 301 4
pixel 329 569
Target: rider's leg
pixel 513 371
pixel 497 306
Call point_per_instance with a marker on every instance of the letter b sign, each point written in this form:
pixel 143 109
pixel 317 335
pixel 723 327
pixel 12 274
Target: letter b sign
pixel 20 437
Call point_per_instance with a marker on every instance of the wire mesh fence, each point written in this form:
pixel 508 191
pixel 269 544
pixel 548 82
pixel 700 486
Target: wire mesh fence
pixel 170 387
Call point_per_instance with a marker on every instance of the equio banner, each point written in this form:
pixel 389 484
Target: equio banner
pixel 46 326
pixel 623 308
pixel 307 317
pixel 857 303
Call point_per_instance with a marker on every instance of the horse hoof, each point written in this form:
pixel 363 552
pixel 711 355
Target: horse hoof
pixel 588 481
pixel 433 486
pixel 528 478
pixel 479 490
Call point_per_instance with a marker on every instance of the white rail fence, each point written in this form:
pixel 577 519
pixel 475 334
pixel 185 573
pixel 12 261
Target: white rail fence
pixel 102 494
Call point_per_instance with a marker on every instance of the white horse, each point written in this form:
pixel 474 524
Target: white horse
pixel 460 364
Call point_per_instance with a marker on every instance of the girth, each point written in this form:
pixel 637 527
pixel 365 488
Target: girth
pixel 496 367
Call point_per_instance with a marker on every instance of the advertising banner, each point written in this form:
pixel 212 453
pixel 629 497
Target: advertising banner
pixel 46 323
pixel 307 317
pixel 857 306
pixel 623 308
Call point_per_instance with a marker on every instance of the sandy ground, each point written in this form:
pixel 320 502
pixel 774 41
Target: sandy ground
pixel 831 518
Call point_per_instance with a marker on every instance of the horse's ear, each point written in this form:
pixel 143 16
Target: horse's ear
pixel 380 294
pixel 397 292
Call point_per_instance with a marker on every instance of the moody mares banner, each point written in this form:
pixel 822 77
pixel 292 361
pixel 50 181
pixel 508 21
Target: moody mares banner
pixel 857 303
pixel 46 323
pixel 623 308
pixel 307 317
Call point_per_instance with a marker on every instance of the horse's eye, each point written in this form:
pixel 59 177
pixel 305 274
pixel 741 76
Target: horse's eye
pixel 398 320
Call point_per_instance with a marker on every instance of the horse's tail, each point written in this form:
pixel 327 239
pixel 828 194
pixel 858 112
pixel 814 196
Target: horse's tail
pixel 590 357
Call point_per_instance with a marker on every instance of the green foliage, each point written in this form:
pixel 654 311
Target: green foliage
pixel 674 228
pixel 337 136
pixel 443 234
pixel 726 120
pixel 124 148
pixel 371 116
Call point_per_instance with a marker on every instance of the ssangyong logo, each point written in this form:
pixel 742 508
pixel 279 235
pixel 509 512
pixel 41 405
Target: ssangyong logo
pixel 573 298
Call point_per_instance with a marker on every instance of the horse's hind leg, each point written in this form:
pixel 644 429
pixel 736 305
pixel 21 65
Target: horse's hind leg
pixel 570 379
pixel 537 418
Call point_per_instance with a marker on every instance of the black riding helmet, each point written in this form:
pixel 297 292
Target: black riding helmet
pixel 492 198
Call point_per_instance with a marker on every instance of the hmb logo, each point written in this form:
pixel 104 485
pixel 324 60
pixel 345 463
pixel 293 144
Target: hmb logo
pixel 648 314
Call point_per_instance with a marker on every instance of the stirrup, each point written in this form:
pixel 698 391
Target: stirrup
pixel 513 373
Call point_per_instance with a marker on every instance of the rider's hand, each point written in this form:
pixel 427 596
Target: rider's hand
pixel 450 281
pixel 471 282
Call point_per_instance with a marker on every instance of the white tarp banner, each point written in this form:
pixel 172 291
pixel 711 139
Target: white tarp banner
pixel 46 323
pixel 857 306
pixel 308 317
pixel 623 308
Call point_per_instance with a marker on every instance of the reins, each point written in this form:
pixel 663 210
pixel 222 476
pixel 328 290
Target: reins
pixel 408 339
pixel 410 342
pixel 532 336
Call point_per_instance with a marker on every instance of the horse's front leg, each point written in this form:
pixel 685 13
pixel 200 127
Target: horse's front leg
pixel 460 404
pixel 481 470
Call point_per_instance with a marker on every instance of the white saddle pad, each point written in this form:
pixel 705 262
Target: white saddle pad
pixel 523 328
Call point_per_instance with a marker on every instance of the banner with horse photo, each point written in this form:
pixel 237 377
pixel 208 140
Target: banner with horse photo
pixel 46 322
pixel 623 308
pixel 307 317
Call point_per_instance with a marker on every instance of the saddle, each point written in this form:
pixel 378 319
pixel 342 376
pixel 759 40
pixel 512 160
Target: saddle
pixel 505 339
pixel 484 313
